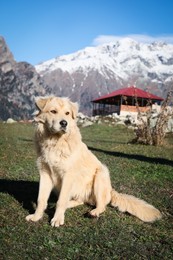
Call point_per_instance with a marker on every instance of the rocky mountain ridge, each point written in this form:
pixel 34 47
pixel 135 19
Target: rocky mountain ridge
pixel 19 83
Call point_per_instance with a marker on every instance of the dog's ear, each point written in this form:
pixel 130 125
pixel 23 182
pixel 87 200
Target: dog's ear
pixel 40 102
pixel 74 108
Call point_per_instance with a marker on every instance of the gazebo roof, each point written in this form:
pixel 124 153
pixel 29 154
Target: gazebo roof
pixel 129 92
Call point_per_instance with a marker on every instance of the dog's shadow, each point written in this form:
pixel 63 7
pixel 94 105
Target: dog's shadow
pixel 26 192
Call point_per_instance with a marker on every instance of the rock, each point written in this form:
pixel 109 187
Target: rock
pixel 130 121
pixel 87 123
pixel 81 116
pixel 169 128
pixel 131 127
pixel 116 116
pixel 121 123
pixel 10 121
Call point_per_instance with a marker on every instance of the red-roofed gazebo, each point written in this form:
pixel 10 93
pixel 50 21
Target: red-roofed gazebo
pixel 124 99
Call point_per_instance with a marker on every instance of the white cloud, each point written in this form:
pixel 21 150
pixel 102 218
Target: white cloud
pixel 101 39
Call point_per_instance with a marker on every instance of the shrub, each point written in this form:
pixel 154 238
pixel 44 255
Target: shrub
pixel 146 132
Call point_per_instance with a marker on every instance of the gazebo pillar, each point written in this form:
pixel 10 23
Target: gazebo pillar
pixel 121 100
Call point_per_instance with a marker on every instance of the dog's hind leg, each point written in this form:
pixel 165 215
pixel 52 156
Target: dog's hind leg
pixel 102 191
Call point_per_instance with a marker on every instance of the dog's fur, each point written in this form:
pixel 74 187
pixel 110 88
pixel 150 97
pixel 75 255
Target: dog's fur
pixel 65 163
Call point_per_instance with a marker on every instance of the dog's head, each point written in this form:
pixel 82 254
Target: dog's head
pixel 56 114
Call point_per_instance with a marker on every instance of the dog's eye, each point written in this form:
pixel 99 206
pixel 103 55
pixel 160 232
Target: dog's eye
pixel 67 113
pixel 53 111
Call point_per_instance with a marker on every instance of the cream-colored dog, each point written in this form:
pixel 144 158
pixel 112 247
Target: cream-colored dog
pixel 65 163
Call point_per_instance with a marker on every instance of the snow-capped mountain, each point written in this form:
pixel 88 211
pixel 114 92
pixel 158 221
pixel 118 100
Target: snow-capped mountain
pixel 94 71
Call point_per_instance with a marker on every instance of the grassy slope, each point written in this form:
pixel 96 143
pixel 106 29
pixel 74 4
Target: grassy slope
pixel 144 171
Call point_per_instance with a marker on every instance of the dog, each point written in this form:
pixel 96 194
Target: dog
pixel 66 164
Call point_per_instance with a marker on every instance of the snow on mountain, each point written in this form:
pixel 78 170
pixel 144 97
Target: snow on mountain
pixel 113 55
pixel 95 71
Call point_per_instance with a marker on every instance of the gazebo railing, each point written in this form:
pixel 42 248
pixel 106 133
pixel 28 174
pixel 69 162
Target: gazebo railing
pixel 105 110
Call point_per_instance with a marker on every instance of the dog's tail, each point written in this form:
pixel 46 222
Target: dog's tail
pixel 134 206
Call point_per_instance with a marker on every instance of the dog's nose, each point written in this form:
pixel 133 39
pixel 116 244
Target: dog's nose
pixel 63 123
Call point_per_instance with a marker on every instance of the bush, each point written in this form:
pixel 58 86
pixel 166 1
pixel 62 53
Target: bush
pixel 149 134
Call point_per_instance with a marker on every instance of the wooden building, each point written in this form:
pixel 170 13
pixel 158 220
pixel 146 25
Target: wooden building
pixel 124 100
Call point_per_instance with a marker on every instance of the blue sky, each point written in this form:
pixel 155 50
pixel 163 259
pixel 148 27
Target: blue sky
pixel 38 30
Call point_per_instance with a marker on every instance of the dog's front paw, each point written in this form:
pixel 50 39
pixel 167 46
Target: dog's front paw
pixel 33 217
pixel 57 221
pixel 94 213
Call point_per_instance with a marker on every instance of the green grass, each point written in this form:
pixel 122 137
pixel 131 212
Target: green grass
pixel 143 171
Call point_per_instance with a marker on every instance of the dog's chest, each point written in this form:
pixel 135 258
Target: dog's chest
pixel 56 156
